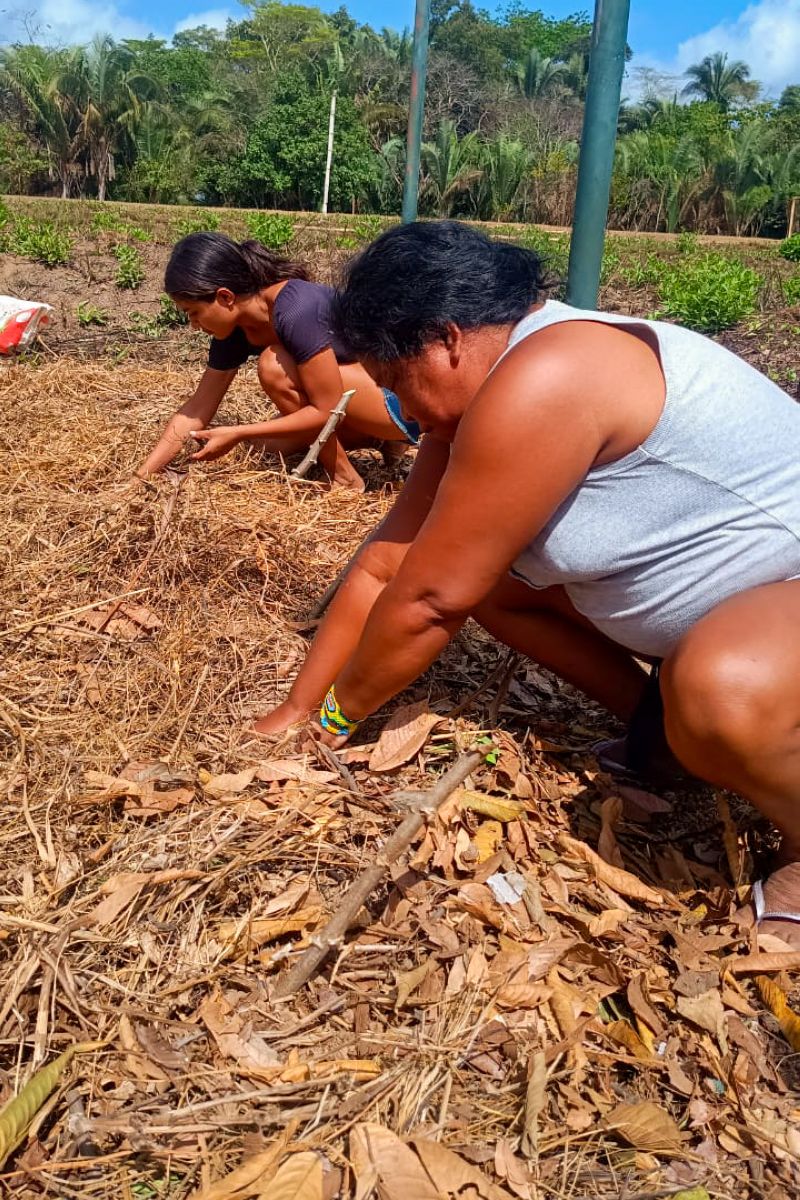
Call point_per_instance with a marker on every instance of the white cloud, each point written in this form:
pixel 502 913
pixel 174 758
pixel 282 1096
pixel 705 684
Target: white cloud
pixel 766 36
pixel 214 18
pixel 67 22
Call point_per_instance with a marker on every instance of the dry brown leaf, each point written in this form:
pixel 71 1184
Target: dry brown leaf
pixel 122 889
pixel 136 1060
pixel 226 785
pixel 625 1035
pixel 534 1103
pixel 159 1049
pixel 648 1127
pixel 158 803
pixel 299 1178
pixel 245 1179
pixel 488 837
pixel 641 806
pixel 705 1011
pixel 282 769
pixel 403 735
pixel 246 935
pixel 762 964
pixel 621 881
pixel 640 1003
pixel 408 981
pixel 380 1156
pixel 227 1028
pixel 610 813
pixel 453 1174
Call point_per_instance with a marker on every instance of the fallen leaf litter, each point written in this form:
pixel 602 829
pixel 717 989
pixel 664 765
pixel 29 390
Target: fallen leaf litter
pixel 544 996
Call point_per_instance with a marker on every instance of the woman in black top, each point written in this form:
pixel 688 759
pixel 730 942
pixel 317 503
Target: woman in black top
pixel 254 302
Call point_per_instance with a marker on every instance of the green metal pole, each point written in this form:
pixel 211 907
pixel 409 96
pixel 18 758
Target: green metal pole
pixel 606 65
pixel 416 109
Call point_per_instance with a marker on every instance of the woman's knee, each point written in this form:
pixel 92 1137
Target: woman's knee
pixel 717 698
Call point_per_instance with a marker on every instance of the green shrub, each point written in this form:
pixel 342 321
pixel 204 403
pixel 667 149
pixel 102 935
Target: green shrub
pixel 198 222
pixel 687 243
pixel 105 220
pixel 5 214
pixel 552 248
pixel 137 233
pixel 790 248
pixel 791 290
pixel 39 240
pixel 130 269
pixel 169 315
pixel 143 324
pixel 90 314
pixel 273 230
pixel 708 293
pixel 365 229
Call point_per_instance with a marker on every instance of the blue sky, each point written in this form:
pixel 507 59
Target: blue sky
pixel 666 35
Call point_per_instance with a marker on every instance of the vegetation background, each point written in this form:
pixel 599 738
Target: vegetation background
pixel 240 118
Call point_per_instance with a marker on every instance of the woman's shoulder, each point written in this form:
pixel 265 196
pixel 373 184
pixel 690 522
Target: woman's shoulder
pixel 302 295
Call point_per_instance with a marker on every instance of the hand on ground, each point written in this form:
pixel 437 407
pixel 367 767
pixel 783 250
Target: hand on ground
pixel 279 719
pixel 218 441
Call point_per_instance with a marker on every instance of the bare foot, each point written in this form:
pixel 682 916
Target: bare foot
pixel 781 894
pixel 351 482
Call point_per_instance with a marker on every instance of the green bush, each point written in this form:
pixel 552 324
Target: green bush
pixel 790 248
pixel 39 240
pixel 130 269
pixel 687 243
pixel 198 222
pixel 169 315
pixel 642 271
pixel 138 234
pixel 791 290
pixel 105 220
pixel 5 214
pixel 90 314
pixel 552 248
pixel 271 229
pixel 708 293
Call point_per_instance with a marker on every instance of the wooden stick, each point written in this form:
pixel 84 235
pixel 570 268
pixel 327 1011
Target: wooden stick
pixel 333 934
pixel 326 432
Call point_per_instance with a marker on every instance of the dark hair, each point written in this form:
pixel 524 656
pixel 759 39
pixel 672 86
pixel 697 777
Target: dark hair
pixel 399 294
pixel 203 262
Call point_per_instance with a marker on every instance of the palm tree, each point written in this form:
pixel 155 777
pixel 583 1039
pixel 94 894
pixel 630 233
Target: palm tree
pixel 450 166
pixel 538 76
pixel 506 165
pixel 109 99
pixel 720 81
pixel 31 74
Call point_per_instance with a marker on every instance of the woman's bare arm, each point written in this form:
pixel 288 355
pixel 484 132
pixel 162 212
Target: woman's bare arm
pixel 194 413
pixel 514 461
pixel 372 569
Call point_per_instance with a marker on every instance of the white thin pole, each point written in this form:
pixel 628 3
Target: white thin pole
pixel 331 125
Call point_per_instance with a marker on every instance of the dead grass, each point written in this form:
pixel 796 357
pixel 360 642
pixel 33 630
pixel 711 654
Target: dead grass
pixel 158 877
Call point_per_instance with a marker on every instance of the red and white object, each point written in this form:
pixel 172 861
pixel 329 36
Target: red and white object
pixel 20 321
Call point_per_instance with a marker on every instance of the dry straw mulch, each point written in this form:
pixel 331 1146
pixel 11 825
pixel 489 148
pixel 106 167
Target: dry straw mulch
pixel 545 995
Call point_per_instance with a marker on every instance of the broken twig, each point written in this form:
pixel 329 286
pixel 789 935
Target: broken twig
pixel 327 431
pixel 333 933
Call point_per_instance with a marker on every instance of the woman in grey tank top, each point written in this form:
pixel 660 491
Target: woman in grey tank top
pixel 595 490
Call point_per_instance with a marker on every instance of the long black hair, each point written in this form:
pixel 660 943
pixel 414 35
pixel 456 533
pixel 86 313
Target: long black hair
pixel 203 262
pixel 399 294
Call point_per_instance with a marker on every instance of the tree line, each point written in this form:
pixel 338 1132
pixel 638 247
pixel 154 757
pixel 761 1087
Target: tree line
pixel 240 117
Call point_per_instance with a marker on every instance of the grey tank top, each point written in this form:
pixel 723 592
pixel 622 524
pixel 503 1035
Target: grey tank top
pixel 707 506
